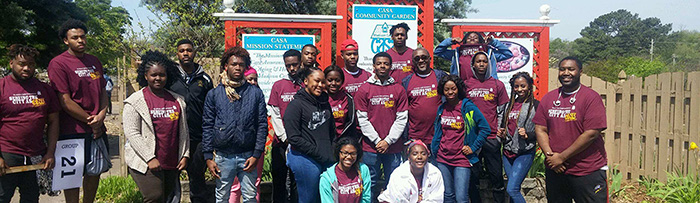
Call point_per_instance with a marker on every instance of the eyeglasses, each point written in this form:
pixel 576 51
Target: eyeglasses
pixel 424 57
pixel 352 154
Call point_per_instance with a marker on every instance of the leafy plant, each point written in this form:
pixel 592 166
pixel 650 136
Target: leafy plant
pixel 537 169
pixel 678 188
pixel 118 189
pixel 615 188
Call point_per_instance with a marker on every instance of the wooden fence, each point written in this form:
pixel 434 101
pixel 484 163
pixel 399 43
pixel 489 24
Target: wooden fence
pixel 651 122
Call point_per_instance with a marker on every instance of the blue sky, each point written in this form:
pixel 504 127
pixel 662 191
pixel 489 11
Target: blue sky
pixel 574 15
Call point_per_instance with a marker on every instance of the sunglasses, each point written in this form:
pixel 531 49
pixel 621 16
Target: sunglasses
pixel 424 57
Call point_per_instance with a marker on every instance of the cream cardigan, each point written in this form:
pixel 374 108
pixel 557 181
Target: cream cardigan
pixel 140 136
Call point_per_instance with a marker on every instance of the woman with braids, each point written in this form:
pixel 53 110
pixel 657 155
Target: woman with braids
pixel 517 131
pixel 155 126
pixel 342 103
pixel 347 181
pixel 460 131
pixel 310 129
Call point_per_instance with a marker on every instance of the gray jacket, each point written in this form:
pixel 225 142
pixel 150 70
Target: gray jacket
pixel 140 135
pixel 514 142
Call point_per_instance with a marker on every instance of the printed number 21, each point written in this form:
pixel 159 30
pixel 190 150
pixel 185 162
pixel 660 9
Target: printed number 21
pixel 66 161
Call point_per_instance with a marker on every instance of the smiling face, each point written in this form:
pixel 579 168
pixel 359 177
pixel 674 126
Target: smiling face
pixel 335 82
pixel 421 60
pixel 569 73
pixel 308 55
pixel 186 54
pixel 235 67
pixel 23 68
pixel 417 157
pixel 521 88
pixel 347 156
pixel 315 83
pixel 156 77
pixel 399 37
pixel 451 91
pixel 382 66
pixel 472 38
pixel 76 40
pixel 481 64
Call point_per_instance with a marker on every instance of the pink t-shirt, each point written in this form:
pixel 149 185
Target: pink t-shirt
pixel 450 148
pixel 282 93
pixel 381 104
pixel 401 63
pixel 352 82
pixel 349 186
pixel 466 52
pixel 339 105
pixel 487 96
pixel 24 112
pixel 566 122
pixel 423 102
pixel 81 78
pixel 513 125
pixel 165 114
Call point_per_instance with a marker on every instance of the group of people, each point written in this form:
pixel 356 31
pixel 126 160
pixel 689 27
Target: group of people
pixel 403 133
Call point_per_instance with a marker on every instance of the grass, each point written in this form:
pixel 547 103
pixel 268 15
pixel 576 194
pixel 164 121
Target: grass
pixel 537 168
pixel 678 188
pixel 118 190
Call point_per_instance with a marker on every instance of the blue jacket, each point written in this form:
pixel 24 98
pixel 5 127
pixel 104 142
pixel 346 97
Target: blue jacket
pixel 496 51
pixel 234 127
pixel 477 128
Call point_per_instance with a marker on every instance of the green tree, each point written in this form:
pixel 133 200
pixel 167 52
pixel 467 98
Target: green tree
pixel 683 54
pixel 106 27
pixel 558 49
pixel 608 69
pixel 619 33
pixel 35 23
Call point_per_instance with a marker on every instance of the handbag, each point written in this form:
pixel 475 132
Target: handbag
pixel 99 158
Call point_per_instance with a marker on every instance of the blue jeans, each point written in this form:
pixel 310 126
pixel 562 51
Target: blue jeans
pixel 231 166
pixel 516 170
pixel 456 180
pixel 307 173
pixel 375 161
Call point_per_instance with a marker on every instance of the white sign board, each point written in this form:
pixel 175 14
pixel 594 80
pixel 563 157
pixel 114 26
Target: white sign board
pixel 70 163
pixel 523 52
pixel 370 28
pixel 266 52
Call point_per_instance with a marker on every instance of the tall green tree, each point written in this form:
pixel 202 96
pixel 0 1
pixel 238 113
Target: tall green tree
pixel 106 27
pixel 683 55
pixel 35 23
pixel 619 33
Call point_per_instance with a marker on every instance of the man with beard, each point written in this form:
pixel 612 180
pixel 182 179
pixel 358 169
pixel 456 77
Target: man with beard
pixel 193 84
pixel 400 53
pixel 27 107
pixel 568 123
pixel 281 94
pixel 423 98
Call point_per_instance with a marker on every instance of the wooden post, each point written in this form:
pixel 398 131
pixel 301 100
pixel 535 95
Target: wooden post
pixel 122 138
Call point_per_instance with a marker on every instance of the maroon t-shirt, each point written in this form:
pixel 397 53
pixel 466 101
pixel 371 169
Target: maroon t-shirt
pixel 81 78
pixel 381 104
pixel 401 63
pixel 165 114
pixel 466 52
pixel 423 102
pixel 282 93
pixel 487 96
pixel 349 186
pixel 566 122
pixel 450 148
pixel 24 112
pixel 513 125
pixel 353 82
pixel 339 105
